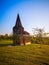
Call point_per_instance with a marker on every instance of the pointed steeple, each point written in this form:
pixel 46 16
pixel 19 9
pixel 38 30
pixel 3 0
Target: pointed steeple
pixel 18 21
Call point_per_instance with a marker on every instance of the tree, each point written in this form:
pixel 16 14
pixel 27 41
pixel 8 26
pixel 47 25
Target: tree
pixel 38 33
pixel 6 36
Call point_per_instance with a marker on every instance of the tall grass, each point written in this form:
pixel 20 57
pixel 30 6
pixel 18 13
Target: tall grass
pixel 24 55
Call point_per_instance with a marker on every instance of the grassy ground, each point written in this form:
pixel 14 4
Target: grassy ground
pixel 23 55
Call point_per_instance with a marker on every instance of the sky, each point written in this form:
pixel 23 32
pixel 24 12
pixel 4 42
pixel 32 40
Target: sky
pixel 33 14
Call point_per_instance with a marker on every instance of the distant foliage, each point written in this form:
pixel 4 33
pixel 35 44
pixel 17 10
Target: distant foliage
pixel 32 39
pixel 6 37
pixel 38 37
pixel 35 40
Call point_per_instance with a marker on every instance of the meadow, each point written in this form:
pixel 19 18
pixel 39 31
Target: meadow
pixel 23 55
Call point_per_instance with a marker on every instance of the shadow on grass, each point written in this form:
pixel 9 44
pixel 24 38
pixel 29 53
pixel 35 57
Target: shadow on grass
pixel 1 45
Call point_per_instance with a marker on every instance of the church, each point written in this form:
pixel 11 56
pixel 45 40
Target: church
pixel 20 36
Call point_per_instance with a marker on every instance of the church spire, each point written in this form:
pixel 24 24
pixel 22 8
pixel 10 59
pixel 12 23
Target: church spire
pixel 18 21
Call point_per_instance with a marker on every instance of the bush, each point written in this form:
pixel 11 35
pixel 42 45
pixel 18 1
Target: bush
pixel 44 40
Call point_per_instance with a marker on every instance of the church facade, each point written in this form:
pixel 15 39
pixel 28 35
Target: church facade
pixel 20 37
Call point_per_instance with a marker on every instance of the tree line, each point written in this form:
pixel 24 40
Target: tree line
pixel 6 37
pixel 38 37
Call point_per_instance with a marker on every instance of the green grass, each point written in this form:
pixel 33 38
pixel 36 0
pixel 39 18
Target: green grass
pixel 24 55
pixel 5 42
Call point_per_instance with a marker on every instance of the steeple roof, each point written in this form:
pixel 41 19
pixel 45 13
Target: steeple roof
pixel 18 21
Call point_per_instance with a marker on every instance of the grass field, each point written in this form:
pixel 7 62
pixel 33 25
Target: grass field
pixel 23 55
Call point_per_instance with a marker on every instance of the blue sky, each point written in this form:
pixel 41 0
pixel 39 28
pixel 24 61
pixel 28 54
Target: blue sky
pixel 33 14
